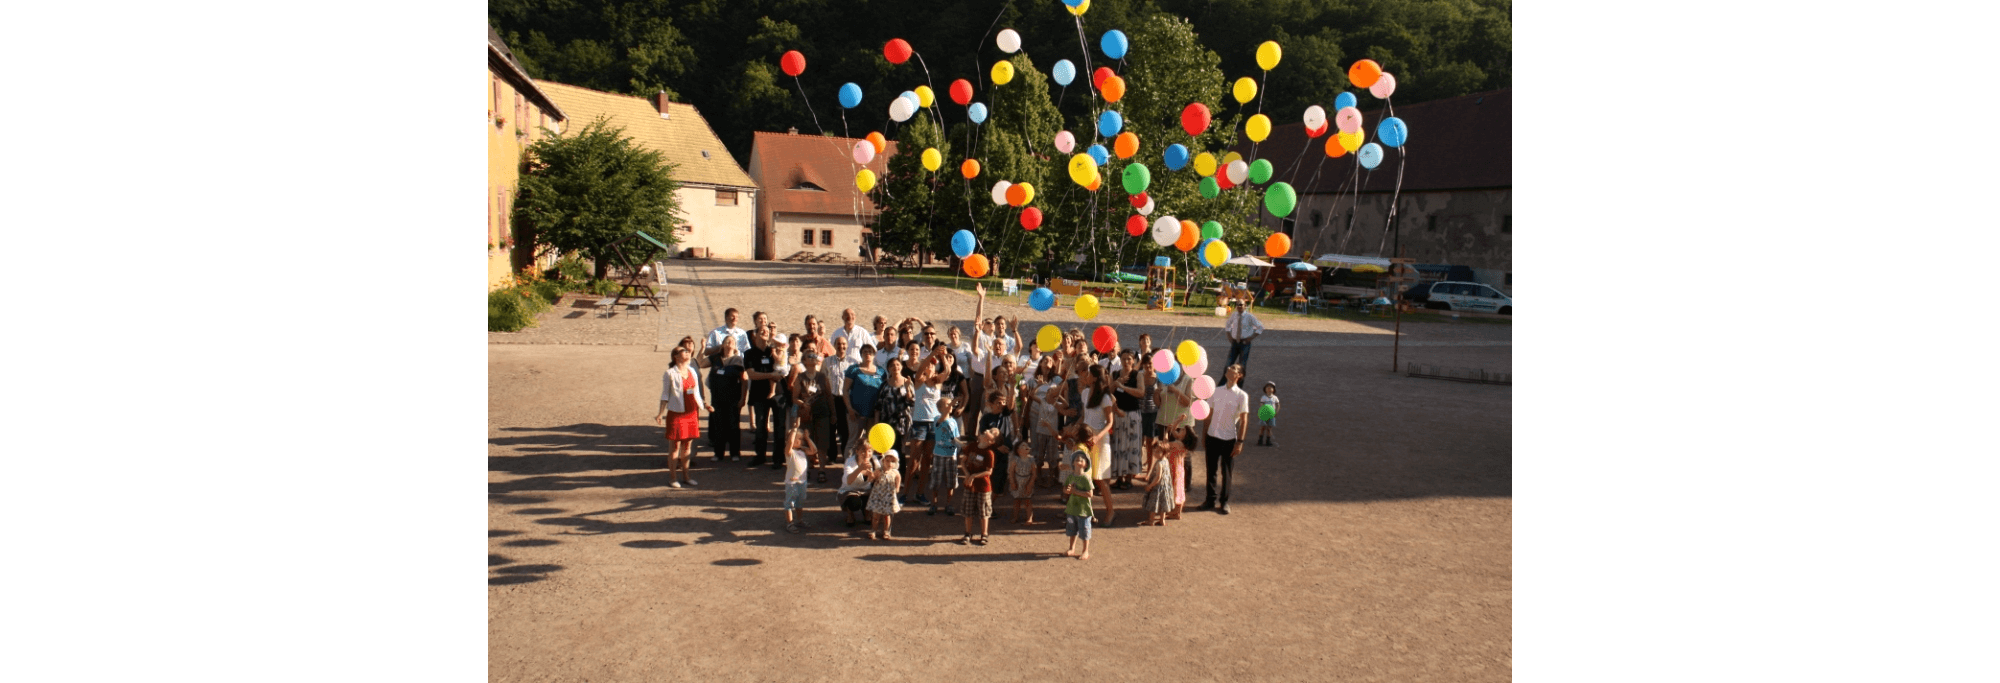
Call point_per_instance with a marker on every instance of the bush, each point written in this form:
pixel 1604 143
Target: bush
pixel 602 287
pixel 512 309
pixel 549 291
pixel 570 269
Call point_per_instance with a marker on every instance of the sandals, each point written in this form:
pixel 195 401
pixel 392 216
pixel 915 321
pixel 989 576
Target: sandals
pixel 979 541
pixel 822 476
pixel 962 540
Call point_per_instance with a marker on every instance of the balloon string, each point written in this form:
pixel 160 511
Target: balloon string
pixel 809 105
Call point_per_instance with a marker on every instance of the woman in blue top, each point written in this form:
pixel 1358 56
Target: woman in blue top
pixel 863 382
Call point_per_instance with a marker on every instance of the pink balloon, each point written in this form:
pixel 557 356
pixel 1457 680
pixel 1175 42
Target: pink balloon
pixel 1204 387
pixel 864 152
pixel 1163 360
pixel 1348 119
pixel 1065 142
pixel 1384 86
pixel 1200 366
pixel 1199 409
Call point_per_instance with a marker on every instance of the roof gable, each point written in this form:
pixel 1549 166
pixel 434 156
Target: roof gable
pixel 785 161
pixel 685 138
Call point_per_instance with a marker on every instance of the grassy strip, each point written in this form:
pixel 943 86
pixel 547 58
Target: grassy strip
pixel 1204 305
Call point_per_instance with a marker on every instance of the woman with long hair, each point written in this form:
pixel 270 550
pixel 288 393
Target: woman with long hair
pixel 680 397
pixel 1100 416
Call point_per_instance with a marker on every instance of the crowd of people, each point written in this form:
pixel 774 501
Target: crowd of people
pixel 971 418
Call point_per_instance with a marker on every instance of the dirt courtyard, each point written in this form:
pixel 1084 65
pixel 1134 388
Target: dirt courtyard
pixel 1373 544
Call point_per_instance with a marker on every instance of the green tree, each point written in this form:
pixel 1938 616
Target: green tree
pixel 909 192
pixel 584 189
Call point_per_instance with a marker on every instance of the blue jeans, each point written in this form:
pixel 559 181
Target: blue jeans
pixel 1239 353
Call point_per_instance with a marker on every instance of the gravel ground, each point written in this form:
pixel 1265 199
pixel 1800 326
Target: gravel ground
pixel 1374 543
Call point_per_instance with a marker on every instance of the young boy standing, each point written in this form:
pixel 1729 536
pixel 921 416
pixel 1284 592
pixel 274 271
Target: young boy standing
pixel 1077 486
pixel 944 462
pixel 978 467
pixel 795 479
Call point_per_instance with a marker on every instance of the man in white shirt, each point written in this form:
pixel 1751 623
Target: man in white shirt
pixel 835 369
pixel 855 336
pixel 1228 421
pixel 1243 328
pixel 728 329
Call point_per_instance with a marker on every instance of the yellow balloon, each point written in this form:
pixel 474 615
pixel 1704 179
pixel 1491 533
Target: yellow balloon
pixel 1188 352
pixel 1217 252
pixel 1350 141
pixel 1204 163
pixel 1268 55
pixel 1258 128
pixel 865 180
pixel 1086 307
pixel 1027 193
pixel 932 159
pixel 1246 90
pixel 1003 71
pixel 1048 338
pixel 1082 169
pixel 881 437
pixel 1231 158
pixel 1079 9
pixel 925 96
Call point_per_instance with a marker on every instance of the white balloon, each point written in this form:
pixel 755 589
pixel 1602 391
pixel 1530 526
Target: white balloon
pixel 1008 40
pixel 1000 192
pixel 1147 210
pixel 1315 116
pixel 1166 230
pixel 1065 142
pixel 901 109
pixel 1238 171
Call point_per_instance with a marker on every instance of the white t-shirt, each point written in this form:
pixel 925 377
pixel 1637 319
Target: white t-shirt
pixel 1224 406
pixel 859 336
pixel 795 467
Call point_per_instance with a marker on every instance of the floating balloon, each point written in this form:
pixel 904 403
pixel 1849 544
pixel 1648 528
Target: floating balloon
pixel 975 266
pixel 1189 237
pixel 1109 123
pixel 1277 245
pixel 1209 188
pixel 1114 88
pixel 1086 307
pixel 792 63
pixel 1064 72
pixel 1095 183
pixel 1031 218
pixel 1097 77
pixel 977 112
pixel 1188 226
pixel 1268 55
pixel 1198 409
pixel 1315 116
pixel 1204 387
pixel 1079 8
pixel 1176 156
pixel 1280 198
pixel 1348 120
pixel 1137 178
pixel 1114 44
pixel 1166 230
pixel 1136 225
pixel 1238 172
pixel 1364 73
pixel 1008 40
pixel 1072 3
pixel 1215 253
pixel 1041 300
pixel 1245 90
pixel 1187 352
pixel 1020 194
pixel 902 108
pixel 1222 181
pixel 963 243
pixel 1125 145
pixel 1316 132
pixel 1082 168
pixel 881 437
pixel 1105 339
pixel 1003 72
pixel 1260 171
pixel 1065 142
pixel 1098 154
pixel 1200 366
pixel 924 95
pixel 1391 131
pixel 961 92
pixel 1000 193
pixel 1231 158
pixel 1333 147
pixel 1371 155
pixel 1383 87
pixel 1204 164
pixel 1147 210
pixel 1267 412
pixel 1050 337
pixel 850 96
pixel 1172 373
pixel 1350 141
pixel 1211 230
pixel 1345 100
pixel 1163 360
pixel 864 152
pixel 1257 128
pixel 897 50
pixel 865 180
pixel 1140 199
pixel 1195 118
pixel 932 159
pixel 969 169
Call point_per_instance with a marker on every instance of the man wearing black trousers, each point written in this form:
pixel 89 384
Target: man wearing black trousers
pixel 760 367
pixel 1228 421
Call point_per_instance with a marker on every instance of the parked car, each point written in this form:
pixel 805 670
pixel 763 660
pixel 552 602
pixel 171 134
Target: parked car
pixel 1418 293
pixel 1462 296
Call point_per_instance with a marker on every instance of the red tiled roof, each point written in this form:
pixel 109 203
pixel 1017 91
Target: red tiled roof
pixel 1459 143
pixel 785 160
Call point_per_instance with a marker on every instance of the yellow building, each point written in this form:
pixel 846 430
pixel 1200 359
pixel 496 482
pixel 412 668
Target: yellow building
pixel 516 113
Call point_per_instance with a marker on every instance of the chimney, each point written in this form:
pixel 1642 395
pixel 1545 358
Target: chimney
pixel 794 130
pixel 662 102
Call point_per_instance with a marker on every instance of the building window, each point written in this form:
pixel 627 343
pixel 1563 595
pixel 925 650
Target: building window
pixel 808 239
pixel 725 197
pixel 1291 223
pixel 826 238
pixel 1507 225
pixel 1432 224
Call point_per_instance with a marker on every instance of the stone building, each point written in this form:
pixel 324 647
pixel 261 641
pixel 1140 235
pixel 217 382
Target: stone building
pixel 811 203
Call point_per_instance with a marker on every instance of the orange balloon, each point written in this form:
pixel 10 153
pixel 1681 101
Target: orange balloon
pixel 969 169
pixel 1017 194
pixel 1095 183
pixel 1278 245
pixel 1113 88
pixel 1333 148
pixel 878 141
pixel 1189 236
pixel 1364 73
pixel 1125 145
pixel 975 266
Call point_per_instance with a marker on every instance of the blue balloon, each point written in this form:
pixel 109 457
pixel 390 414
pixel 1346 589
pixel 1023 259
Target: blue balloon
pixel 1114 43
pixel 962 243
pixel 977 111
pixel 1176 156
pixel 1041 299
pixel 1345 100
pixel 1392 132
pixel 1073 3
pixel 912 97
pixel 1109 123
pixel 1370 154
pixel 850 96
pixel 1172 374
pixel 1064 72
pixel 1099 153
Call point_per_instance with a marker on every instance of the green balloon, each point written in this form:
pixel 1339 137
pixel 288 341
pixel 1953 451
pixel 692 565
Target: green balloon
pixel 1260 171
pixel 1280 198
pixel 1137 178
pixel 1267 412
pixel 1211 230
pixel 1209 188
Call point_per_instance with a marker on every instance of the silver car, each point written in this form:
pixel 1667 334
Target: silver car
pixel 1470 296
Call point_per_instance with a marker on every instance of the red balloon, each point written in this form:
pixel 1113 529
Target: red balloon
pixel 961 92
pixel 1136 225
pixel 897 50
pixel 1106 339
pixel 1223 180
pixel 793 63
pixel 1139 202
pixel 1031 218
pixel 1097 77
pixel 1316 132
pixel 1194 119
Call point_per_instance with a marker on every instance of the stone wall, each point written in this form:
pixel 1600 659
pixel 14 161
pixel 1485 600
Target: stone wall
pixel 1465 227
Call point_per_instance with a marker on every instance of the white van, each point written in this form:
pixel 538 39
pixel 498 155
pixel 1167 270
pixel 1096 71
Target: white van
pixel 1470 296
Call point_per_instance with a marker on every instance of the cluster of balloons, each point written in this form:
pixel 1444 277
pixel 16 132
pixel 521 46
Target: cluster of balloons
pixel 1190 358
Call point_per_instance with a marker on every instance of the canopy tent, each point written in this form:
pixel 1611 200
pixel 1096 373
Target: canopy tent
pixel 1345 261
pixel 1249 260
pixel 1301 265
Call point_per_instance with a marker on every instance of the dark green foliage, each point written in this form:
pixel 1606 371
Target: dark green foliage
pixel 512 309
pixel 584 189
pixel 908 219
